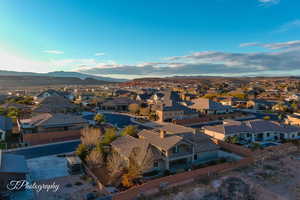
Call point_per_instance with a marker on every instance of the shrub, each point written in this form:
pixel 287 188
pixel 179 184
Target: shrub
pixel 82 151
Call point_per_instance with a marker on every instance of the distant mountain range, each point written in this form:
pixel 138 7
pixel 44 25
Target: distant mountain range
pixel 10 81
pixel 61 74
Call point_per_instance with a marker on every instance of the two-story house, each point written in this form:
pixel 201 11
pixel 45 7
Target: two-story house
pixel 172 148
pixel 207 106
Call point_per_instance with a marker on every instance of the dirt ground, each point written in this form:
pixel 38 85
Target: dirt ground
pixel 268 180
pixel 70 187
pixel 281 176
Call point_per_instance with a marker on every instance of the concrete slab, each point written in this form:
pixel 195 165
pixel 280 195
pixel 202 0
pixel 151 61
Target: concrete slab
pixel 47 167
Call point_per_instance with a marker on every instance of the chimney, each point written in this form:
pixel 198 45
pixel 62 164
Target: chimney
pixel 162 134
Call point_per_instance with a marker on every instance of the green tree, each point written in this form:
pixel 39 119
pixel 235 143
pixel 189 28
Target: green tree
pixel 153 116
pixel 2 111
pixel 129 130
pixel 210 96
pixel 82 151
pixel 267 117
pixel 109 136
pixel 99 118
pixel 13 113
pixel 232 139
pixel 239 95
pixel 294 106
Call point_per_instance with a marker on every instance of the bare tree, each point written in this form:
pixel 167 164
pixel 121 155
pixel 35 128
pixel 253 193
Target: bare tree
pixel 95 159
pixel 115 163
pixel 90 136
pixel 140 161
pixel 143 160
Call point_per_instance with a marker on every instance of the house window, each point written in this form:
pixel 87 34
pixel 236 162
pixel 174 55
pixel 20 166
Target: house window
pixel 155 164
pixel 195 157
pixel 268 134
pixel 299 134
pixel 248 135
pixel 175 150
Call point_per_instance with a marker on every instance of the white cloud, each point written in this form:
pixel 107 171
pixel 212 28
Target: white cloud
pixel 14 62
pixel 283 45
pixel 295 24
pixel 99 54
pixel 274 46
pixel 285 59
pixel 53 52
pixel 269 2
pixel 73 62
pixel 249 44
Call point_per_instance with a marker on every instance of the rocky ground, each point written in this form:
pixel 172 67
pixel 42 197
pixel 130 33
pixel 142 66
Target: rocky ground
pixel 276 179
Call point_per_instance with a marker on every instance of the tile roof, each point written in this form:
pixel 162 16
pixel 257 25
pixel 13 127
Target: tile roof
pixel 202 142
pixel 54 104
pixel 54 120
pixel 252 126
pixel 203 103
pixel 171 128
pixel 162 143
pixel 118 101
pixel 53 92
pixel 124 145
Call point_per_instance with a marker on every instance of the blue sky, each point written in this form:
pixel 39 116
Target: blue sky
pixel 136 38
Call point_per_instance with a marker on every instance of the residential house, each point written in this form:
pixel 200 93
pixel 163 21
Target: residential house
pixel 6 126
pixel 253 130
pixel 122 93
pixel 168 113
pixel 174 147
pixel 116 104
pixel 293 119
pixel 165 97
pixel 207 106
pixel 47 128
pixel 85 97
pixel 50 93
pixel 54 104
pixel 232 101
pixel 171 108
pixel 51 122
pixel 144 97
pixel 260 104
pixel 12 168
pixel 17 93
pixel 293 97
